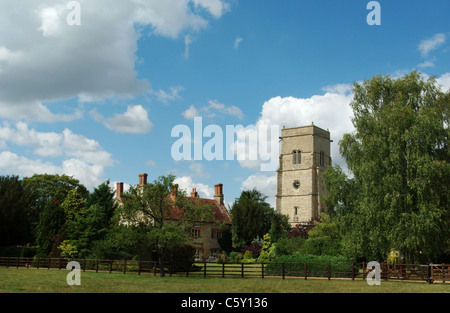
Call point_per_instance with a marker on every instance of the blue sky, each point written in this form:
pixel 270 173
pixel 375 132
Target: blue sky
pixel 99 100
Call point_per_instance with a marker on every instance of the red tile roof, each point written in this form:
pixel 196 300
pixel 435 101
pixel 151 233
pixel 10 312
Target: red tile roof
pixel 221 214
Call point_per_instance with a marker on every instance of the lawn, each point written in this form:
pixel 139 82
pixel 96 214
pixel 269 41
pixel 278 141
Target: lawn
pixel 14 280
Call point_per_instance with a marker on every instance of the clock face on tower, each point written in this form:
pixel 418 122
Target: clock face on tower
pixel 296 184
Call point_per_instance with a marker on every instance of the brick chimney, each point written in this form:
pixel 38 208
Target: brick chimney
pixel 119 190
pixel 194 193
pixel 173 192
pixel 218 196
pixel 143 179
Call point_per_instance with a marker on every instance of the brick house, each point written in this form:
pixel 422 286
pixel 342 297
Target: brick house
pixel 204 234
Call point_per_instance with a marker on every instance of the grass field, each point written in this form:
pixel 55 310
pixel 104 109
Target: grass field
pixel 14 280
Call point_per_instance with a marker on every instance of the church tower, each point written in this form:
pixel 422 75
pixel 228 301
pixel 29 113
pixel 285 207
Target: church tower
pixel 305 155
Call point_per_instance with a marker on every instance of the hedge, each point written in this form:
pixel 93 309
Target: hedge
pixel 316 266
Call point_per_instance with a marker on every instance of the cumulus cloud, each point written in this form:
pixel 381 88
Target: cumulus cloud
pixel 134 120
pixel 266 184
pixel 186 183
pixel 328 111
pixel 81 157
pixel 43 59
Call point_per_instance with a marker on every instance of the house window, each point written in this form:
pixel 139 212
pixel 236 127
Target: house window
pixel 296 157
pixel 195 233
pixel 216 234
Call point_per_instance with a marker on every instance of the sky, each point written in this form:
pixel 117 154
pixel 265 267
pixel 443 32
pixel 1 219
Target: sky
pixel 100 89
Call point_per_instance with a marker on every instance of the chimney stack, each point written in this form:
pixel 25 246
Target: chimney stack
pixel 143 179
pixel 119 190
pixel 173 192
pixel 218 196
pixel 194 193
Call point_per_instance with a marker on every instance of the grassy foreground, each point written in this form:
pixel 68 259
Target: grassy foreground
pixel 14 280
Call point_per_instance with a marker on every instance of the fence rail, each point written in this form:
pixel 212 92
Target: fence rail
pixel 429 273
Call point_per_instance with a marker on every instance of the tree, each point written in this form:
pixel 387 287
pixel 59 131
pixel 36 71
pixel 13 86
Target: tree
pixel 253 218
pixel 399 156
pixel 44 188
pixel 15 204
pixel 165 213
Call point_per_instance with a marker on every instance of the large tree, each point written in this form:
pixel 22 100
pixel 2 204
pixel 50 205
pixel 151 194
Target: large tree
pixel 165 213
pixel 15 207
pixel 399 157
pixel 253 218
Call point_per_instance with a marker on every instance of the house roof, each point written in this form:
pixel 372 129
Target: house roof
pixel 221 214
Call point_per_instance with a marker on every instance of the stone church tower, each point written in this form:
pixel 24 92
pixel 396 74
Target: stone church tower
pixel 305 155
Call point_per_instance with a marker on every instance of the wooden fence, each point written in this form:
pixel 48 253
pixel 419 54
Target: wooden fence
pixel 429 273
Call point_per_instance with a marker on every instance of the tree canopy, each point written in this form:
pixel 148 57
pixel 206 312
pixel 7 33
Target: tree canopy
pixel 398 197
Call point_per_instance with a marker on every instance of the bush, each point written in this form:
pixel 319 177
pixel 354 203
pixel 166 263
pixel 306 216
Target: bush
pixel 317 266
pixel 235 257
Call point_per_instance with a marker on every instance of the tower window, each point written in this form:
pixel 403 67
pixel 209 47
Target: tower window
pixel 296 157
pixel 296 210
pixel 322 159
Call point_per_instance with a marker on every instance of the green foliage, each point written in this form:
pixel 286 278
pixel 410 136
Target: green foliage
pixel 399 156
pixel 317 265
pixel 253 217
pixel 287 246
pixel 68 249
pixel 226 242
pixel 268 250
pixel 15 206
pixel 324 238
pixel 51 220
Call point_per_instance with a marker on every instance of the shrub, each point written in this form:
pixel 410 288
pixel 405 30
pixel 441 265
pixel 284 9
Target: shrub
pixel 317 266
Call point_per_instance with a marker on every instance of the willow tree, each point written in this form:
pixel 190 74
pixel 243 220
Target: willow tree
pixel 399 156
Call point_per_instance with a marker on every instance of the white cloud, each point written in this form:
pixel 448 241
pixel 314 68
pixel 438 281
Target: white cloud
pixel 171 95
pixel 215 7
pixel 328 111
pixel 213 109
pixel 444 82
pixel 237 42
pixel 44 60
pixel 190 113
pixel 187 42
pixel 134 120
pixel 428 45
pixel 186 183
pixel 425 64
pixel 82 157
pixel 266 184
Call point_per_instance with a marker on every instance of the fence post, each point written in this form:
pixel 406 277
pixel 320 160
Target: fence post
pixel 242 270
pixel 38 260
pixel 282 269
pixel 353 271
pixel 110 266
pixel 329 271
pixel 17 265
pixel 223 270
pixel 364 271
pixel 124 266
pixel 96 266
pixel 262 270
pixel 306 271
pixel 84 265
pixel 139 269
